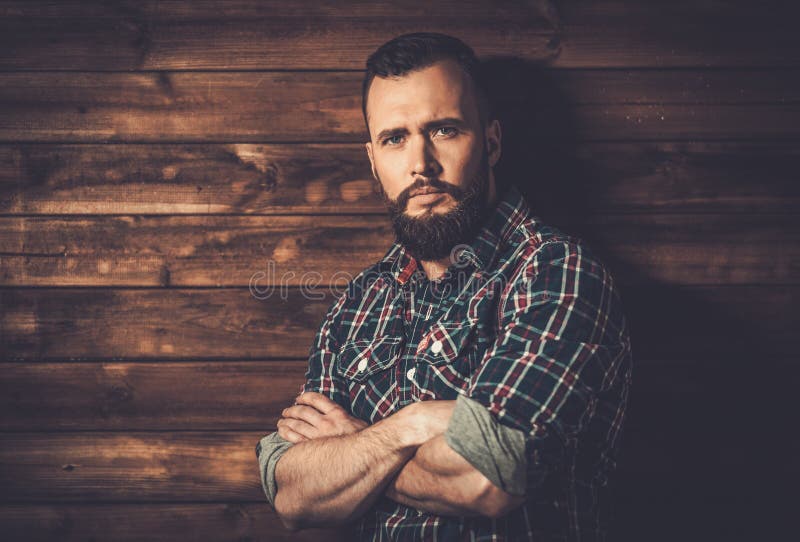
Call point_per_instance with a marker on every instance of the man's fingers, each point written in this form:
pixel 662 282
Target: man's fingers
pixel 299 426
pixel 318 401
pixel 302 412
pixel 292 436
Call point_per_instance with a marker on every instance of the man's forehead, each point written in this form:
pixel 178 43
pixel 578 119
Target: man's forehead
pixel 435 92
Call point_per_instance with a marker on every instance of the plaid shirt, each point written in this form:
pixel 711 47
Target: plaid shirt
pixel 528 323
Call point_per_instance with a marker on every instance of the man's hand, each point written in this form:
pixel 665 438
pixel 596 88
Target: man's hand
pixel 314 416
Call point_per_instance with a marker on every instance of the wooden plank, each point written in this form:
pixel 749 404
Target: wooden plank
pixel 251 35
pixel 258 107
pixel 695 249
pixel 667 322
pixel 310 35
pixel 681 33
pixel 133 467
pixel 670 177
pixel 198 251
pixel 162 522
pixel 192 178
pixel 206 467
pixel 147 396
pixel 201 324
pixel 670 396
pixel 334 178
pixel 263 250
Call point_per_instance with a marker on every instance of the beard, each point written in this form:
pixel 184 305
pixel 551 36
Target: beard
pixel 432 236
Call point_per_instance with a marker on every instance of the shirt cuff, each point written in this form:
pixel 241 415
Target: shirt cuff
pixel 496 450
pixel 268 450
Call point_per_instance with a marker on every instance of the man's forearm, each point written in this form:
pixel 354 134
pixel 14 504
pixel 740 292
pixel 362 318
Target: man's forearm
pixel 438 480
pixel 335 479
pixel 475 467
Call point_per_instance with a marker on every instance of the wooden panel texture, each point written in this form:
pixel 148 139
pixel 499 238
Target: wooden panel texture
pixel 184 189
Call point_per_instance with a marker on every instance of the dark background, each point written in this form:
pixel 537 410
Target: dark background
pixel 154 156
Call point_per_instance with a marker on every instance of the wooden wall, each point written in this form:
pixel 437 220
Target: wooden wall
pixel 155 156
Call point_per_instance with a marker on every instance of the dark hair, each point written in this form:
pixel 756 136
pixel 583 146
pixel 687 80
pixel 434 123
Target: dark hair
pixel 419 50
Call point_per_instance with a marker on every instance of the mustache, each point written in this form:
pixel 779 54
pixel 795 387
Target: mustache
pixel 402 199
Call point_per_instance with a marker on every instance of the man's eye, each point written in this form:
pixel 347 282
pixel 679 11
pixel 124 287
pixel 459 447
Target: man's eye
pixel 391 139
pixel 449 130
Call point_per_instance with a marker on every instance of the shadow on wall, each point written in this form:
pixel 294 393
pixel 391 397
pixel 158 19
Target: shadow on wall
pixel 539 137
pixel 710 362
pixel 541 153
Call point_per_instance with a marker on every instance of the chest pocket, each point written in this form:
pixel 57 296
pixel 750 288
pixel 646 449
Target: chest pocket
pixel 368 368
pixel 450 354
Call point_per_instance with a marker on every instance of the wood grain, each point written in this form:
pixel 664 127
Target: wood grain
pixel 200 251
pixel 149 396
pixel 588 178
pixel 209 467
pixel 247 34
pixel 259 107
pixel 318 250
pixel 186 179
pixel 234 395
pixel 162 522
pixel 617 33
pixel 132 467
pixel 115 323
pixel 667 322
pixel 156 155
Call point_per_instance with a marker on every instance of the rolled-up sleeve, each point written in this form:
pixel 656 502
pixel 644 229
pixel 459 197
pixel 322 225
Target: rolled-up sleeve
pixel 563 342
pixel 496 450
pixel 321 378
pixel 268 450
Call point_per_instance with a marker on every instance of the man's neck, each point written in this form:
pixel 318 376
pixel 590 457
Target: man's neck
pixel 435 268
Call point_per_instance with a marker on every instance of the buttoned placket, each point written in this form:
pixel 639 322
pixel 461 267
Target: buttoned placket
pixel 416 328
pixel 406 371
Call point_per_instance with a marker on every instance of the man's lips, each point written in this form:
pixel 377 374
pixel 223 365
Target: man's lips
pixel 423 191
pixel 427 199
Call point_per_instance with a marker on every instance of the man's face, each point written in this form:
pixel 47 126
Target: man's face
pixel 429 152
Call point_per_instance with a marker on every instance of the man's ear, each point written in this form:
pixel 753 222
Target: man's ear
pixel 368 145
pixel 494 141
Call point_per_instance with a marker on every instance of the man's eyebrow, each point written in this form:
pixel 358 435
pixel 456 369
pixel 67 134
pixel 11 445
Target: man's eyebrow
pixel 390 132
pixel 444 122
pixel 427 126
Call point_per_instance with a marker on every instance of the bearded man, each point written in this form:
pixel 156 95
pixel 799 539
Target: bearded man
pixel 472 384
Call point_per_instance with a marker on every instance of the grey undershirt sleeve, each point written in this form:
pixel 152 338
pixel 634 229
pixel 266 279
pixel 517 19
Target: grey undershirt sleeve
pixel 496 450
pixel 269 449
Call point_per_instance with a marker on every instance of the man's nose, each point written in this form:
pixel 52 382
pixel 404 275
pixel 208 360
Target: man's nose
pixel 423 158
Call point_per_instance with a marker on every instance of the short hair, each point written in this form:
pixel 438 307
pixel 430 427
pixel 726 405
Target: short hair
pixel 418 50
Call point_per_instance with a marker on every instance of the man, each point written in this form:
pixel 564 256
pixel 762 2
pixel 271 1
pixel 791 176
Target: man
pixel 472 384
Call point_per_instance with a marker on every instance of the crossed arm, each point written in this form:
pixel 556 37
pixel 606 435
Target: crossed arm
pixel 339 465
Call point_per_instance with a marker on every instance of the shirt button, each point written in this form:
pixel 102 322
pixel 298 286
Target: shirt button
pixel 410 373
pixel 362 365
pixel 436 347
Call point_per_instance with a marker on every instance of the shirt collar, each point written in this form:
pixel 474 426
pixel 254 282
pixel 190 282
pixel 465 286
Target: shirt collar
pixel 510 211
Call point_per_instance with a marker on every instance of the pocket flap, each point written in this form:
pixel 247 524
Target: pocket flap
pixel 445 342
pixel 359 359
